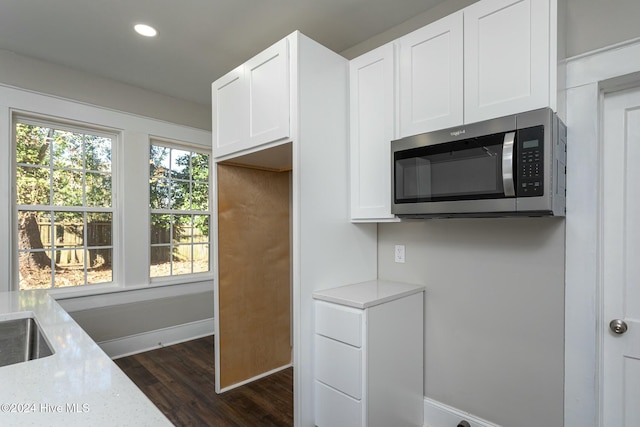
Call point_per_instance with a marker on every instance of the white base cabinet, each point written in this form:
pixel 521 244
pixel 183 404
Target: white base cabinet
pixel 369 355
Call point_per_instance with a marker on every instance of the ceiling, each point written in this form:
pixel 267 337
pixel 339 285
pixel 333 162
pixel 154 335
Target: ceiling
pixel 198 40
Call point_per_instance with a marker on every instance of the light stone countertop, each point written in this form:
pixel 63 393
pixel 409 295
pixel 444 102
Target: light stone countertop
pixel 79 385
pixel 367 294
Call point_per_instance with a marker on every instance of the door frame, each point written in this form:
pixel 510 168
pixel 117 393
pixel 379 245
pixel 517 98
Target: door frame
pixel 588 78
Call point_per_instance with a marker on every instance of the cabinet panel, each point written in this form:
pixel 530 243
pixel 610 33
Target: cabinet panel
pixel 372 129
pixel 268 85
pixel 254 303
pixel 394 391
pixel 336 409
pixel 339 366
pixel 506 57
pixel 228 110
pixel 340 323
pixel 431 77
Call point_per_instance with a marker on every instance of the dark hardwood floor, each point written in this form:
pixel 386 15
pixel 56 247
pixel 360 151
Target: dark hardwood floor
pixel 179 380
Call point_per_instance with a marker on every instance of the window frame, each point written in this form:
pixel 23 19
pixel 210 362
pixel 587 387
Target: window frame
pixel 189 277
pixel 76 127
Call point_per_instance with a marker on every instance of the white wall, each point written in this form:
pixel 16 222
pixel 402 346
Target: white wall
pixel 494 315
pixel 45 77
pixel 594 24
pixel 133 318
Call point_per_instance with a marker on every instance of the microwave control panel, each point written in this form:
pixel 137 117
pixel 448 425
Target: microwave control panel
pixel 529 162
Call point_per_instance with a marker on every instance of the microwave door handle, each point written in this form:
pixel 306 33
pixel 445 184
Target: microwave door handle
pixel 507 164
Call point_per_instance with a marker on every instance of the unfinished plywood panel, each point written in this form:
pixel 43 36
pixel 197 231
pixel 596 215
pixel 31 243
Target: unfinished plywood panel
pixel 254 270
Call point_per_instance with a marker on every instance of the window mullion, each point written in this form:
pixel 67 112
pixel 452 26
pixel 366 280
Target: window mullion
pixel 51 252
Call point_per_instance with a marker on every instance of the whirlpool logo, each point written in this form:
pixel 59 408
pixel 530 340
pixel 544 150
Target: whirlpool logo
pixel 458 132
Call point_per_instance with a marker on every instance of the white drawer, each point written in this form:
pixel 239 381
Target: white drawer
pixel 339 322
pixel 334 409
pixel 339 365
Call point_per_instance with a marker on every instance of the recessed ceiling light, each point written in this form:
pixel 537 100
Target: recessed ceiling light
pixel 145 30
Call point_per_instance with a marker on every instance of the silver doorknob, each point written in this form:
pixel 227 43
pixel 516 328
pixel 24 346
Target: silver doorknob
pixel 618 326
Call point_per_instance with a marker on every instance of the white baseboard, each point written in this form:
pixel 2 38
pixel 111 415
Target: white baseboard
pixel 438 414
pixel 138 343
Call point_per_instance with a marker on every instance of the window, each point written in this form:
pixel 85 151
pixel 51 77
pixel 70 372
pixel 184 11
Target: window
pixel 179 202
pixel 65 213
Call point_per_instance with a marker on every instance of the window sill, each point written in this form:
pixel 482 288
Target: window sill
pixel 95 296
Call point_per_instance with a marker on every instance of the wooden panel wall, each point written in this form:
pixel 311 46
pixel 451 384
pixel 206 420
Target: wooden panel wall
pixel 254 263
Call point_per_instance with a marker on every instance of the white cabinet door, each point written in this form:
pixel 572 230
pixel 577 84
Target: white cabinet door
pixel 506 57
pixel 431 77
pixel 267 77
pixel 250 105
pixel 372 129
pixel 229 117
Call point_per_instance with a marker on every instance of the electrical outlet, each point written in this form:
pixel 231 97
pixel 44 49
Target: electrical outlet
pixel 399 253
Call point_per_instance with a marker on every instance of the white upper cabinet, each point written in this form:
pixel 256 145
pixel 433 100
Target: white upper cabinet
pixel 431 80
pixel 507 58
pixel 372 129
pixel 251 104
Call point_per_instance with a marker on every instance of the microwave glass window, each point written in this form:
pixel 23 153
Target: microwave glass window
pixel 413 178
pixel 479 172
pixel 469 169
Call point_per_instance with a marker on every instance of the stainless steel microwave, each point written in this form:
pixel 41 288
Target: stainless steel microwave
pixel 509 166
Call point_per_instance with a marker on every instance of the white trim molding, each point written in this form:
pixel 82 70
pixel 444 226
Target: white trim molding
pixel 588 77
pixel 138 343
pixel 437 414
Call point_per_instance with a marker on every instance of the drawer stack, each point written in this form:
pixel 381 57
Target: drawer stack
pixel 369 355
pixel 339 365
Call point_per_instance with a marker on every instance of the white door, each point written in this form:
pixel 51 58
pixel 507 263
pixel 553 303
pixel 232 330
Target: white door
pixel 621 259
